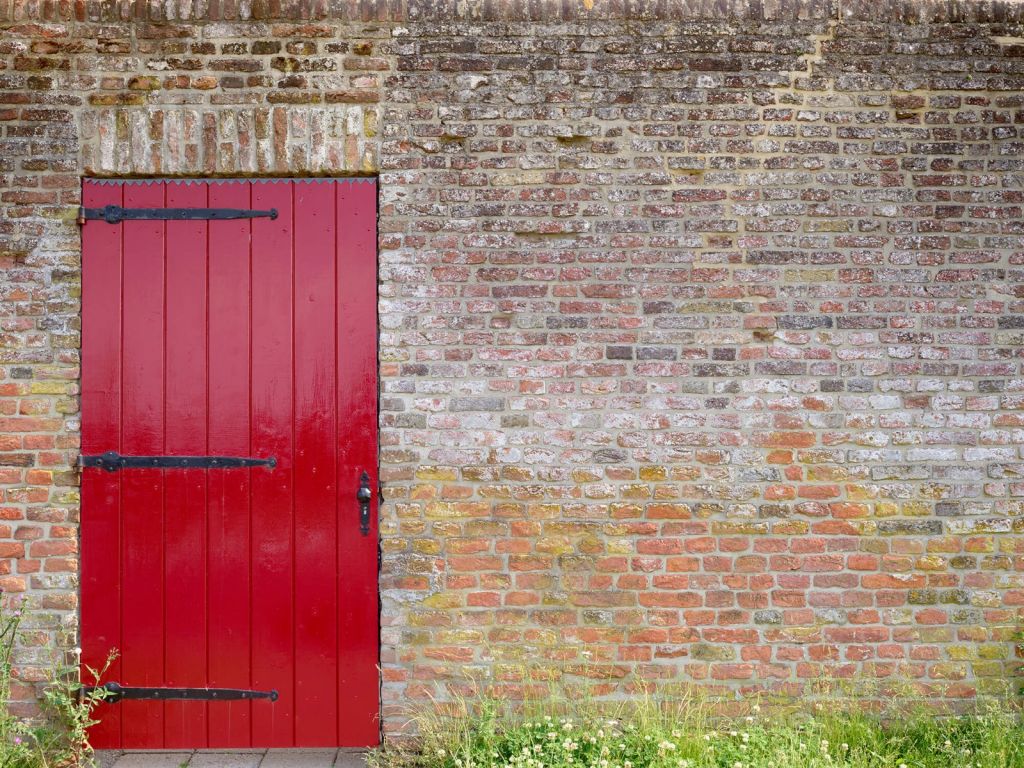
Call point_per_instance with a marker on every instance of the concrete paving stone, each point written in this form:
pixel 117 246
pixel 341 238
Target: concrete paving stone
pixel 351 758
pixel 236 758
pixel 299 758
pixel 156 759
pixel 105 758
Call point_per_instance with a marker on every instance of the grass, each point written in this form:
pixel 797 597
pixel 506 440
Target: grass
pixel 641 735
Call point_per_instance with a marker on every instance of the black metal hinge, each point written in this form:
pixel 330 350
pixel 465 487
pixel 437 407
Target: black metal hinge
pixel 112 461
pixel 117 692
pixel 115 214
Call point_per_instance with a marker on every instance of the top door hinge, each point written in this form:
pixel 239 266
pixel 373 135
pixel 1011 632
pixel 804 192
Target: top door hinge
pixel 115 214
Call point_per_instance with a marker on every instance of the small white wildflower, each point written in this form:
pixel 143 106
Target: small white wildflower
pixel 734 734
pixel 737 764
pixel 844 746
pixel 441 753
pixel 707 737
pixel 756 708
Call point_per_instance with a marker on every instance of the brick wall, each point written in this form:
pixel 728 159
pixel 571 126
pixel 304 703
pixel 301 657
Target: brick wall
pixel 700 323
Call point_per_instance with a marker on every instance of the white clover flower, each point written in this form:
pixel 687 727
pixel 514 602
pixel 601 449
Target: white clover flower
pixel 441 753
pixel 737 764
pixel 756 708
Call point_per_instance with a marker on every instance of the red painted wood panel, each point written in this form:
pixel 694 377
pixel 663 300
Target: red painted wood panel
pixel 316 526
pixel 142 490
pixel 185 490
pixel 358 642
pixel 272 565
pixel 228 553
pixel 101 431
pixel 244 338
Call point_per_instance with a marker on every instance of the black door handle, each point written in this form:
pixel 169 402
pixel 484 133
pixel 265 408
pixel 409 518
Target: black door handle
pixel 363 496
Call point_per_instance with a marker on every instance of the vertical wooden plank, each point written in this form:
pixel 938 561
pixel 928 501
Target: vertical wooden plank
pixel 315 419
pixel 142 490
pixel 185 490
pixel 272 510
pixel 101 432
pixel 228 532
pixel 357 452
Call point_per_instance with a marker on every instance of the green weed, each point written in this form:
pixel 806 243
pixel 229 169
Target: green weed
pixel 690 734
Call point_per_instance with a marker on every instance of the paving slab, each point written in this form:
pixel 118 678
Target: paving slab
pixel 351 758
pixel 299 758
pixel 232 758
pixel 105 758
pixel 162 759
pixel 225 759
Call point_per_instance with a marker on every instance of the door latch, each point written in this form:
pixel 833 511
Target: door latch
pixel 363 496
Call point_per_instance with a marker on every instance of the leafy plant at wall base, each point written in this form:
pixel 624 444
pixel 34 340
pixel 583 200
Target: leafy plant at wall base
pixel 63 739
pixel 18 743
pixel 72 702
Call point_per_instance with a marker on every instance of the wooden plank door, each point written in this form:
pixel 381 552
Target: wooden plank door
pixel 255 338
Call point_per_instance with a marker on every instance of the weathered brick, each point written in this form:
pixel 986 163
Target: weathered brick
pixel 707 349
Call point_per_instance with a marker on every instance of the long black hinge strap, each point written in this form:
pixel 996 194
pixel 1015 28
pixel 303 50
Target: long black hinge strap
pixel 116 692
pixel 113 461
pixel 115 214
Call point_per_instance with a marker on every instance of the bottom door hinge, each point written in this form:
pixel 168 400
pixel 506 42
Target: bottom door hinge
pixel 116 692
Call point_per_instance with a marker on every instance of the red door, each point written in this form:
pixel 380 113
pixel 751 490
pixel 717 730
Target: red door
pixel 252 341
